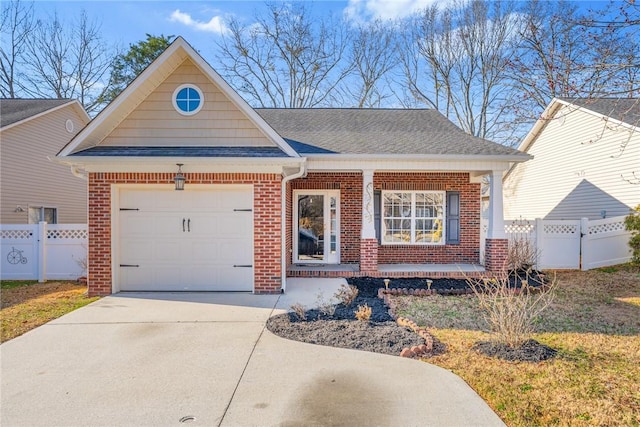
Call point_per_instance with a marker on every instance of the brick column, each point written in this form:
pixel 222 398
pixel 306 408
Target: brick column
pixel 495 255
pixel 368 255
pixel 99 226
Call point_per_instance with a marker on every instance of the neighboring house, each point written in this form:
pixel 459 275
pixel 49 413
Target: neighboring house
pixel 33 188
pixel 586 162
pixel 386 192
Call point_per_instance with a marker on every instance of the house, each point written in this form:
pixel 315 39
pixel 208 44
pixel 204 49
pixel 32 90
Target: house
pixel 386 192
pixel 586 162
pixel 33 188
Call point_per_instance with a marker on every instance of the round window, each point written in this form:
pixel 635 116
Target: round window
pixel 187 99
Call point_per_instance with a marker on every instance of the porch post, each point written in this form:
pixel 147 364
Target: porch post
pixel 496 244
pixel 368 241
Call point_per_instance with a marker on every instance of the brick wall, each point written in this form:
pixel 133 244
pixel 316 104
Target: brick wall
pixel 468 250
pixel 266 216
pixel 350 186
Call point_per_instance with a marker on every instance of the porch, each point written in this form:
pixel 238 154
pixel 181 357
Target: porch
pixel 454 271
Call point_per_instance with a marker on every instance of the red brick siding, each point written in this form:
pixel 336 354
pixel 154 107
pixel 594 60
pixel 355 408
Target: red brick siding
pixel 369 255
pixel 350 186
pixel 468 250
pixel 266 217
pixel 495 258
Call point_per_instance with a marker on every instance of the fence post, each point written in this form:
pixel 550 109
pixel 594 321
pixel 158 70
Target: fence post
pixel 42 251
pixel 539 242
pixel 584 252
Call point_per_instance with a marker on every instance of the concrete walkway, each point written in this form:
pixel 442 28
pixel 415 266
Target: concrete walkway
pixel 207 359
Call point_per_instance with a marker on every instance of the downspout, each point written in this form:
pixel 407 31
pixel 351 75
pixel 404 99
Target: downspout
pixel 302 172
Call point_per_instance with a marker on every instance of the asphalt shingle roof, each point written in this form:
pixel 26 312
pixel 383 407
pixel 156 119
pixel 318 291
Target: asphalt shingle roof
pixel 624 109
pixel 376 131
pixel 15 110
pixel 183 152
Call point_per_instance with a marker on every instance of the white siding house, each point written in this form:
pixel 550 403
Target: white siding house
pixel 586 162
pixel 33 188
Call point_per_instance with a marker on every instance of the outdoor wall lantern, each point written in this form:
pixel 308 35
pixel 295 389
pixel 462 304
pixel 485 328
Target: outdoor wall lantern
pixel 179 178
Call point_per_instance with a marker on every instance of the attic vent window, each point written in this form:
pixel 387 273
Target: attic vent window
pixel 187 99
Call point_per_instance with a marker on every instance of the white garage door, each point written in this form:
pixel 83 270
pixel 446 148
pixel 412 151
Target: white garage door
pixel 191 240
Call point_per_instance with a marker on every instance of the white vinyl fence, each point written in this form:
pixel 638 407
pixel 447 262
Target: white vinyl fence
pixel 43 251
pixel 571 244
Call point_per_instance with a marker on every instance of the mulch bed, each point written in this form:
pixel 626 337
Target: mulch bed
pixel 529 351
pixel 382 334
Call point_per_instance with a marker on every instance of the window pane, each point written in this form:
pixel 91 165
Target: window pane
pixel 34 215
pixel 50 215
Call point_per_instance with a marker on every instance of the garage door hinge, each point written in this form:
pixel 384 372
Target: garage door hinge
pixel 243 210
pixel 129 209
pixel 129 265
pixel 243 265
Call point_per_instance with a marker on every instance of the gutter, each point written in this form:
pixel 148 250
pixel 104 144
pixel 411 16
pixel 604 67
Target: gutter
pixel 302 172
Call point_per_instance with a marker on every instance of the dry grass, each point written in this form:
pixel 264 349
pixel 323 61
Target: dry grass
pixel 27 305
pixel 594 322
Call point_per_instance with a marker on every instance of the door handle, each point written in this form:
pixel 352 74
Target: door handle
pixel 183 224
pixel 189 225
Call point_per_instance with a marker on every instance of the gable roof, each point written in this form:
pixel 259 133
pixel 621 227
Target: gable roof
pixel 377 132
pixel 146 82
pixel 622 110
pixel 626 110
pixel 14 111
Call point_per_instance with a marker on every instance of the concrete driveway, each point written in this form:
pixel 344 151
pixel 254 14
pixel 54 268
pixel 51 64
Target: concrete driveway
pixel 207 359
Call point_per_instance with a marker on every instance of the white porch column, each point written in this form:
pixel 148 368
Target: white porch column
pixel 368 225
pixel 496 213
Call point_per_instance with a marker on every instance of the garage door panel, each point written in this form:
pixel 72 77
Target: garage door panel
pixel 202 257
pixel 136 251
pixel 231 252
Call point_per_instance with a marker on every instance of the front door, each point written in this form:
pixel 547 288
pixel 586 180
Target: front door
pixel 316 227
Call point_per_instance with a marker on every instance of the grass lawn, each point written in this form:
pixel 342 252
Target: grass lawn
pixel 594 323
pixel 25 305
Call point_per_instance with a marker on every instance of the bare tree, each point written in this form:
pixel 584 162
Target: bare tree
pixel 568 54
pixel 68 61
pixel 373 54
pixel 16 25
pixel 287 58
pixel 455 60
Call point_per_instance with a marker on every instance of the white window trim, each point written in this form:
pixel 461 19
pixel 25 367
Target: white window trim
pixel 175 103
pixel 413 218
pixel 326 193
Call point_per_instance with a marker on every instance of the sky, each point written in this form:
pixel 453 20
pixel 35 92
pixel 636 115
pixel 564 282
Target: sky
pixel 201 22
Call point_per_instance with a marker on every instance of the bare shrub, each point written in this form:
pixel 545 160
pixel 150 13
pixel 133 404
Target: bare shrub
pixel 509 310
pixel 347 294
pixel 363 313
pixel 326 307
pixel 522 254
pixel 300 311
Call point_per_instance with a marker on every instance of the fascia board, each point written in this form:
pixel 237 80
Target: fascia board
pixel 522 157
pixel 168 164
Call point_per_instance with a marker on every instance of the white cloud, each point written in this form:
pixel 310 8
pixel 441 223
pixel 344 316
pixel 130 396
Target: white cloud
pixel 366 10
pixel 215 24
